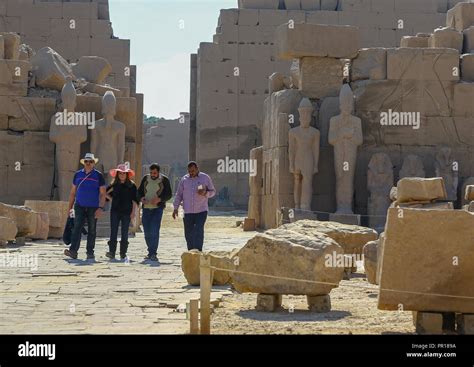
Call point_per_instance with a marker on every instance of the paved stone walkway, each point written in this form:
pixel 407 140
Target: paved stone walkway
pixel 105 297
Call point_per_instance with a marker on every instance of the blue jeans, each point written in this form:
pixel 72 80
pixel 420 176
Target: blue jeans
pixel 117 219
pixel 151 226
pixel 194 230
pixel 81 215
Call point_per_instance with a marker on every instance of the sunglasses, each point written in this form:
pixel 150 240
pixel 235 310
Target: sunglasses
pixel 89 162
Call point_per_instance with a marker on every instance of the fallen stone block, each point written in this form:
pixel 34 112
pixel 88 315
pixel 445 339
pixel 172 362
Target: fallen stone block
pixel 440 282
pixel 93 69
pixel 249 225
pixel 351 238
pixel 469 193
pixel 461 16
pixel 8 229
pixel 101 89
pixel 11 45
pixel 410 189
pixel 371 63
pixel 57 212
pixel 316 40
pixel 50 69
pixel 42 227
pixel 447 38
pixel 190 264
pixel 370 261
pixel 269 302
pixel 24 218
pixel 266 264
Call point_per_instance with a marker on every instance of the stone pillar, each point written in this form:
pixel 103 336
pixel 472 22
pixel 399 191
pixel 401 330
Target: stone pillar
pixel 192 109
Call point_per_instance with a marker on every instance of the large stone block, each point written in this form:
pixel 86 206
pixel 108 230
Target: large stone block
pixel 440 282
pixel 321 77
pixel 423 64
pixel 414 42
pixel 37 148
pixel 370 252
pixel 467 67
pixel 461 16
pixel 12 45
pixel 50 69
pixel 266 264
pixel 94 69
pixel 190 264
pixel 28 113
pixel 463 97
pixel 468 40
pixel 420 189
pixel 259 4
pixel 25 219
pixel 57 212
pixel 447 38
pixel 371 63
pixel 8 229
pixel 316 40
pixel 42 227
pixel 351 238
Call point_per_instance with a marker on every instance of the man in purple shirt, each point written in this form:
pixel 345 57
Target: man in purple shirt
pixel 194 191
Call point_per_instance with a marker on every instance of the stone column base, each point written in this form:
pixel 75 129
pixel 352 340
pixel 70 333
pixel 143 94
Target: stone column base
pixel 428 322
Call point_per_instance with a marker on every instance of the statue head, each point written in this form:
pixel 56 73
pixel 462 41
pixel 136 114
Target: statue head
pixel 306 112
pixel 68 95
pixel 380 163
pixel 109 104
pixel 346 100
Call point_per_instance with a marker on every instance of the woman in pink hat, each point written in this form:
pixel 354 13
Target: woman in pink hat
pixel 123 194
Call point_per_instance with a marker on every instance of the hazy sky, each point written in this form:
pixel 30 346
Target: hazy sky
pixel 161 49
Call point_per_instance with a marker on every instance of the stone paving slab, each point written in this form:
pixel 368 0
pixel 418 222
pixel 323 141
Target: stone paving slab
pixel 63 296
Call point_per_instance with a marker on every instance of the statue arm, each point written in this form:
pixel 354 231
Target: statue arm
pixel 292 151
pixel 316 145
pixel 121 145
pixel 332 134
pixel 94 142
pixel 359 137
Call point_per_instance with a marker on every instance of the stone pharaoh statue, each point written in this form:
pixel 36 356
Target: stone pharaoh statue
pixel 304 143
pixel 108 137
pixel 345 135
pixel 68 132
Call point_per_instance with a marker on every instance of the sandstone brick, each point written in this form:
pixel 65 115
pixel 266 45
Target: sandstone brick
pixel 446 38
pixel 371 63
pixel 331 41
pixel 321 76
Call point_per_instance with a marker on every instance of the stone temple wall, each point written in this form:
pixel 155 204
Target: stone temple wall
pixel 26 154
pixel 166 143
pixel 226 108
pixel 434 79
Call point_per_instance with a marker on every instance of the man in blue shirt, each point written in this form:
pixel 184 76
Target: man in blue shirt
pixel 87 197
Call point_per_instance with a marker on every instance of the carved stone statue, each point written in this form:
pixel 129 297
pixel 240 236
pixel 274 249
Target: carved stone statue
pixel 345 135
pixel 68 132
pixel 379 184
pixel 412 167
pixel 108 137
pixel 304 155
pixel 446 167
